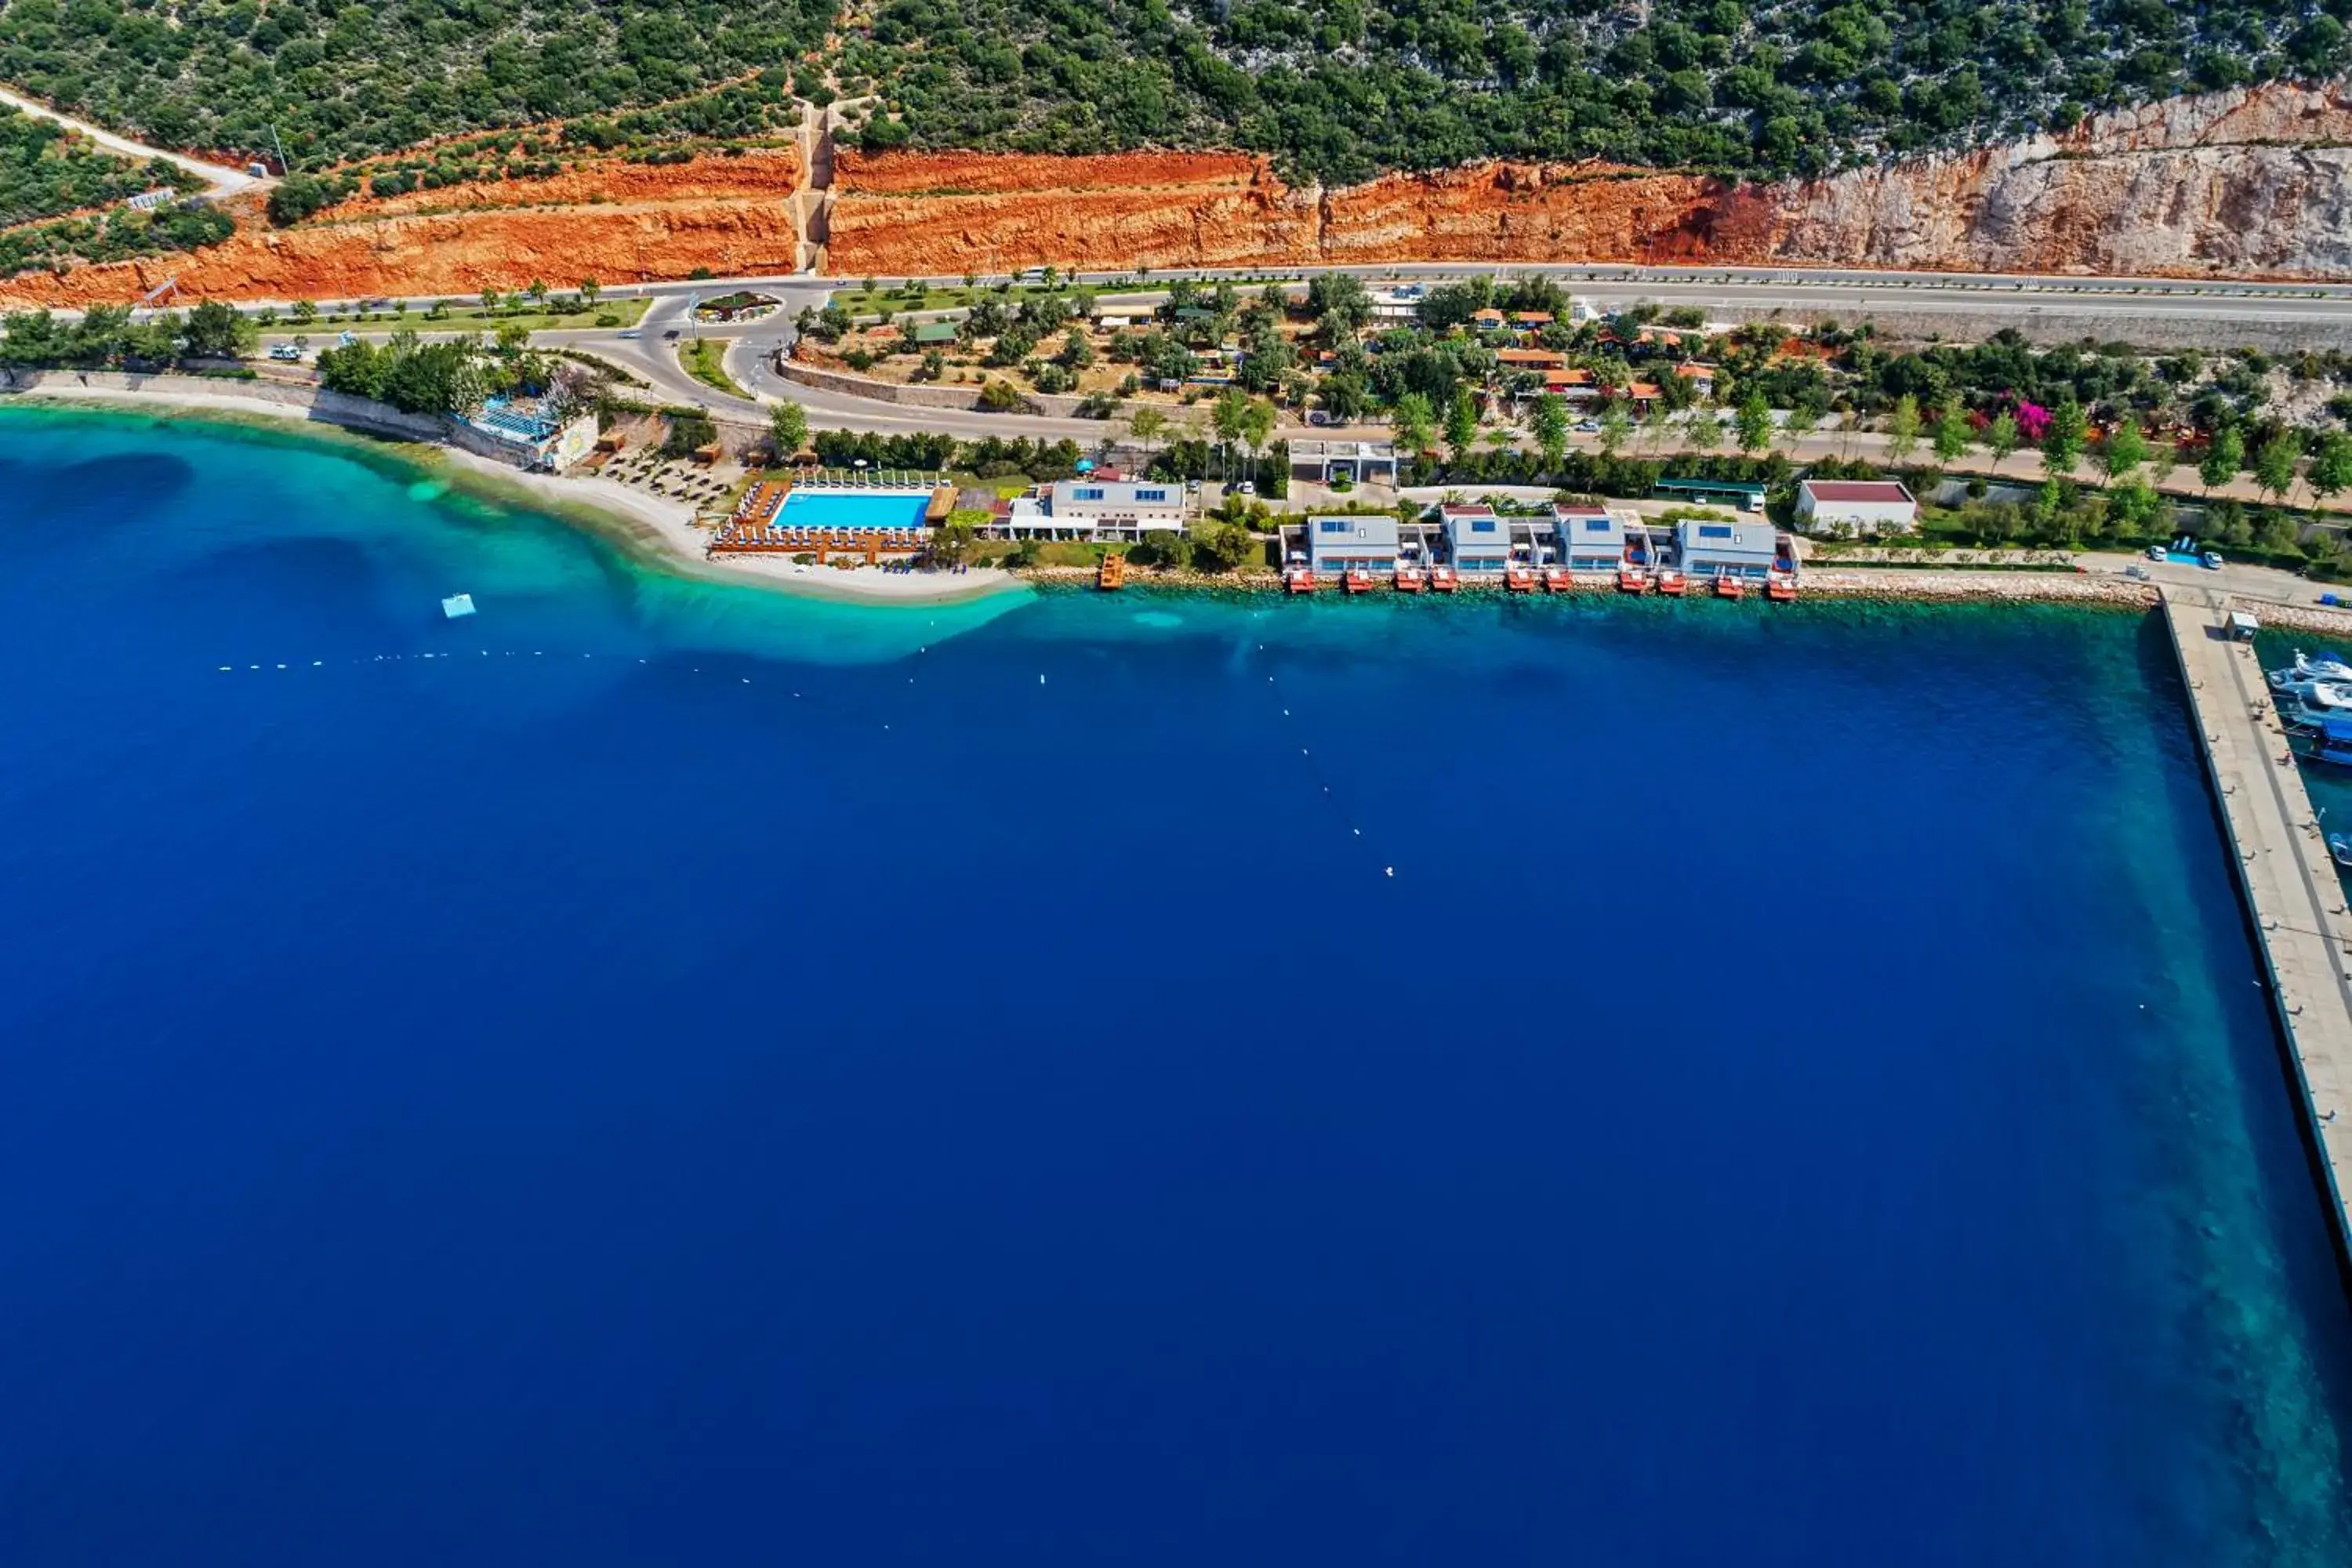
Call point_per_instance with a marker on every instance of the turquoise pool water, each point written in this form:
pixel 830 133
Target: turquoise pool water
pixel 854 510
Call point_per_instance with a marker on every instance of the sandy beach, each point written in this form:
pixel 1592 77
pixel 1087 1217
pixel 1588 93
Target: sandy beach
pixel 651 529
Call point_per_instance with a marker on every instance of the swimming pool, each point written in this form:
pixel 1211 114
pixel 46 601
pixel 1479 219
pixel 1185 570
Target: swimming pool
pixel 854 512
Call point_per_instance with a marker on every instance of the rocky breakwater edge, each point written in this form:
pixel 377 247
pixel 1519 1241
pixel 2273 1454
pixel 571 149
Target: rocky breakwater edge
pixel 1930 584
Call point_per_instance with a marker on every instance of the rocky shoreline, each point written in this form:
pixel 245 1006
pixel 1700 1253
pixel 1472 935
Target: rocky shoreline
pixel 2021 587
pixel 2086 590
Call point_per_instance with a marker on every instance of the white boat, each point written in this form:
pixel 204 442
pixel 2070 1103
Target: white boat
pixel 2308 670
pixel 2339 845
pixel 457 606
pixel 2315 703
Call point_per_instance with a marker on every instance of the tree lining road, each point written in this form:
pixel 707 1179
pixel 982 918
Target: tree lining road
pixel 654 359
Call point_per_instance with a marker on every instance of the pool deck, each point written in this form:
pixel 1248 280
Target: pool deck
pixel 2284 870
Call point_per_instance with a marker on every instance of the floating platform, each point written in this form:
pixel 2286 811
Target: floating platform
pixel 457 606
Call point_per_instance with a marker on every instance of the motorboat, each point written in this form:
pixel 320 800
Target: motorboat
pixel 2339 845
pixel 2308 669
pixel 2328 741
pixel 2314 702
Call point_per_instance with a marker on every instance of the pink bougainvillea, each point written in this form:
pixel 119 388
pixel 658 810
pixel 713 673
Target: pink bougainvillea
pixel 2032 420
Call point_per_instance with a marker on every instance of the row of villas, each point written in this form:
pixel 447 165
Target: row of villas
pixel 1477 542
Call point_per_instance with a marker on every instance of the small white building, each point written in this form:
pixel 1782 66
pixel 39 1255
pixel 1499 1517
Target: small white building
pixel 527 433
pixel 1116 509
pixel 1855 506
pixel 1359 462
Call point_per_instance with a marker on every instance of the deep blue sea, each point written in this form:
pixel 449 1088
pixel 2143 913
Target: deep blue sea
pixel 660 1073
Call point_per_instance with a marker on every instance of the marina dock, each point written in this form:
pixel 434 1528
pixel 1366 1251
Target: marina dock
pixel 2290 882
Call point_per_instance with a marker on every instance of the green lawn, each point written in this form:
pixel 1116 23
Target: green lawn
pixel 470 318
pixel 473 318
pixel 704 359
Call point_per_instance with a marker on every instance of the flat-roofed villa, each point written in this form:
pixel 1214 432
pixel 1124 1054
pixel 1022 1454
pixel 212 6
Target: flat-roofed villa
pixel 1747 549
pixel 1476 539
pixel 1362 543
pixel 1591 538
pixel 1118 508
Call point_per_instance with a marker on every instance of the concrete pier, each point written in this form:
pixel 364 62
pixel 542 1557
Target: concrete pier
pixel 2283 868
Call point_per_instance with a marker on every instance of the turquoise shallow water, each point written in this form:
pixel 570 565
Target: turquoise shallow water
pixel 660 1070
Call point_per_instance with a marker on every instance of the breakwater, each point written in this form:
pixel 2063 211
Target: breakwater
pixel 2289 883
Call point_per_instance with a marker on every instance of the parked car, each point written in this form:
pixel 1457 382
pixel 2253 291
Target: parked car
pixel 1588 426
pixel 2156 553
pixel 670 336
pixel 1245 489
pixel 2210 560
pixel 285 353
pixel 631 334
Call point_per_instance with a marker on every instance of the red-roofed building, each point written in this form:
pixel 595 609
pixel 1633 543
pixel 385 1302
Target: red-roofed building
pixel 1855 506
pixel 1576 385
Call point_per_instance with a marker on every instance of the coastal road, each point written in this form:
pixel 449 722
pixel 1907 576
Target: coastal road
pixel 1977 298
pixel 749 359
pixel 219 180
pixel 1819 289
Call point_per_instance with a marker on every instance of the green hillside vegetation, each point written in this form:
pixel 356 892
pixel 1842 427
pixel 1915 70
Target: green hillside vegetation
pixel 117 235
pixel 341 81
pixel 46 171
pixel 1344 88
pixel 1338 89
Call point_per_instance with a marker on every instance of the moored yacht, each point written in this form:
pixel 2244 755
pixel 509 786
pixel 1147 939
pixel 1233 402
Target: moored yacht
pixel 2315 702
pixel 2308 669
